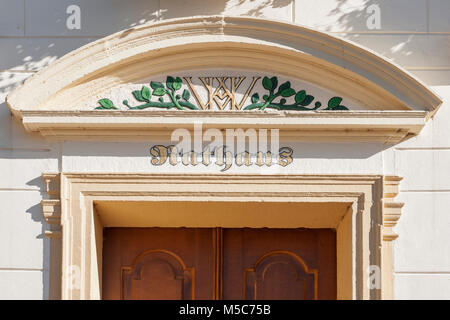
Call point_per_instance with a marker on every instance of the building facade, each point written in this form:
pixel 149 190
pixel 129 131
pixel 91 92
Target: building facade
pixel 224 149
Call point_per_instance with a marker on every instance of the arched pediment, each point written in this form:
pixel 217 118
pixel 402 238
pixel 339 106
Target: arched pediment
pixel 380 97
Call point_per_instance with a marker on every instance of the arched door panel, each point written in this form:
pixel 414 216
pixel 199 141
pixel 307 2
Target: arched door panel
pixel 282 264
pixel 158 275
pixel 157 263
pixel 281 275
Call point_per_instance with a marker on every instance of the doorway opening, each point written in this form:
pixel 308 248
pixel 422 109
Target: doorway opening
pixel 219 263
pixel 359 208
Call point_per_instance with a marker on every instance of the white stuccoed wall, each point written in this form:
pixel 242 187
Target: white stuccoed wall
pixel 413 33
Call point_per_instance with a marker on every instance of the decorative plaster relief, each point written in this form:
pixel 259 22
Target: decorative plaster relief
pixel 224 93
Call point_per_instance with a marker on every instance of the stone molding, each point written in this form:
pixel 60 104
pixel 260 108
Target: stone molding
pixel 51 211
pixel 99 187
pixel 391 214
pixel 51 207
pixel 49 101
pixel 383 126
pixel 366 216
pixel 392 210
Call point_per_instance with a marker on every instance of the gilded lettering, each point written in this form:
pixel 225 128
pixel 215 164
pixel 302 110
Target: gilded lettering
pixel 285 156
pixel 173 155
pixel 206 157
pixel 159 155
pixel 243 158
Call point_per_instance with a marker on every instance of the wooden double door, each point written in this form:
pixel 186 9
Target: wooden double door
pixel 216 263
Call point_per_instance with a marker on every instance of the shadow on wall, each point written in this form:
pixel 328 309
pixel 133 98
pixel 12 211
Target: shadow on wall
pixel 97 20
pixel 30 155
pixel 9 81
pixel 33 54
pixel 375 16
pixel 35 213
pixel 170 9
pixel 397 30
pixel 367 15
pixel 25 224
pixel 273 9
pixel 347 16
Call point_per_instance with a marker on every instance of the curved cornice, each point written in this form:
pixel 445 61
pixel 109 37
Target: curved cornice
pixel 222 42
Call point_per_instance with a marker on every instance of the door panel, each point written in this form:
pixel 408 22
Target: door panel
pixel 280 275
pixel 157 263
pixel 158 274
pixel 279 264
pixel 206 263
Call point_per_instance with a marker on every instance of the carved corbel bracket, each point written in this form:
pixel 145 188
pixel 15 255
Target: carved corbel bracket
pixel 391 210
pixel 51 207
pixel 51 210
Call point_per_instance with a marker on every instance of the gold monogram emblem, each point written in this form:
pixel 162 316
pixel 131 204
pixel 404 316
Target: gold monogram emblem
pixel 222 95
